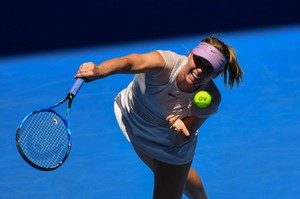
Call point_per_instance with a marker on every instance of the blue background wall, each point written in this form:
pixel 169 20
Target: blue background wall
pixel 35 25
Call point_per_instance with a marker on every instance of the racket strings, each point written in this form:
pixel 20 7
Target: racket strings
pixel 44 139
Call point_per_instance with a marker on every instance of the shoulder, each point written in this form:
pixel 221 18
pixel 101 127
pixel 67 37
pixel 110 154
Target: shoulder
pixel 168 52
pixel 213 90
pixel 171 57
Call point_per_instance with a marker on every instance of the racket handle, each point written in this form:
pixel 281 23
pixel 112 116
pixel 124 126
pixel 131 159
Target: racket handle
pixel 76 86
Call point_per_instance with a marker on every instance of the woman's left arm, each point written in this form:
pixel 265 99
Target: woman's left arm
pixel 193 123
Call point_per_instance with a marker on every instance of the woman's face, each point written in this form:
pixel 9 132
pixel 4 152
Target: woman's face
pixel 198 71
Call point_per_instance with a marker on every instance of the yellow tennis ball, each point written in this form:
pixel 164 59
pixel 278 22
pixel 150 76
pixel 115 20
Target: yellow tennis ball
pixel 202 99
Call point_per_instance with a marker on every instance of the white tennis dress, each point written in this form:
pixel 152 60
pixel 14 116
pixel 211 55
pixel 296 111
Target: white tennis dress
pixel 141 110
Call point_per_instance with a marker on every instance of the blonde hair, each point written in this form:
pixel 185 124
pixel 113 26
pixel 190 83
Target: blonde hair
pixel 232 68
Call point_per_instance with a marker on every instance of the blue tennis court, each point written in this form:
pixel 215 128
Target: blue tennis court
pixel 250 149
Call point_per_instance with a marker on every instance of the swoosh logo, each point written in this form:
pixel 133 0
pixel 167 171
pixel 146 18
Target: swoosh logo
pixel 170 94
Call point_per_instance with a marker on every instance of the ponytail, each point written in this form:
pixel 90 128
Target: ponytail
pixel 232 72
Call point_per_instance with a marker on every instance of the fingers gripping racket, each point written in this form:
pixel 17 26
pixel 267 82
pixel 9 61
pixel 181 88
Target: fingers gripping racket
pixel 44 138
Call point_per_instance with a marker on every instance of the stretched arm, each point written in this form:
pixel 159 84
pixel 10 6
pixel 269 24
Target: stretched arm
pixel 151 63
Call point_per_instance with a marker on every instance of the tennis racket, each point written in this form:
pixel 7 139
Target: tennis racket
pixel 44 138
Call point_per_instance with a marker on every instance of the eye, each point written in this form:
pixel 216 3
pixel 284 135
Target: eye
pixel 209 68
pixel 197 64
pixel 203 64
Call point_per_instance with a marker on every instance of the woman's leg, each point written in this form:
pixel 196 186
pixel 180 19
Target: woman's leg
pixel 169 180
pixel 194 188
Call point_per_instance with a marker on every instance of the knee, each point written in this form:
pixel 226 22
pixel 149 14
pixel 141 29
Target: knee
pixel 194 188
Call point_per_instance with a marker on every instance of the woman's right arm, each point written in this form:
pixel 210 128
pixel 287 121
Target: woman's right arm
pixel 150 63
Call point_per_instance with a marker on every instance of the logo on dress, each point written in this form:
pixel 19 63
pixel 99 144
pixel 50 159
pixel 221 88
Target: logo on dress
pixel 170 94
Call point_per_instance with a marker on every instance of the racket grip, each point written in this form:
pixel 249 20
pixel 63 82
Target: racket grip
pixel 76 86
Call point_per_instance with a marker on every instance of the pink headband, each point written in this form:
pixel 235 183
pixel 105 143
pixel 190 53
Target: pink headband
pixel 211 54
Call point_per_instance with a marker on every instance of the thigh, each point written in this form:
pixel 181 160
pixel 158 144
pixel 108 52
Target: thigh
pixel 149 161
pixel 169 180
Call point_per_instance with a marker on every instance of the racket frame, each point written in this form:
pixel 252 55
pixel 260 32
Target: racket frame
pixel 70 96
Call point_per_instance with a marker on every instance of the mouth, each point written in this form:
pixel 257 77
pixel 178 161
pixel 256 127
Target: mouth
pixel 194 78
pixel 195 75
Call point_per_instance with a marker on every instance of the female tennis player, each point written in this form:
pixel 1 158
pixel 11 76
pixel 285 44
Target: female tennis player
pixel 156 112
